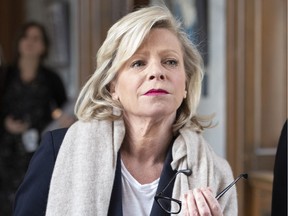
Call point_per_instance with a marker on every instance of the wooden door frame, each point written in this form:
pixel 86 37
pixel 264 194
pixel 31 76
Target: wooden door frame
pixel 235 94
pixel 95 18
pixel 12 19
pixel 247 61
pixel 89 30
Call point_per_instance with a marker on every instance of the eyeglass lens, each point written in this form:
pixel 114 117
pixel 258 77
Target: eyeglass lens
pixel 167 203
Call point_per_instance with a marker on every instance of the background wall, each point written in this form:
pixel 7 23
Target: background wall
pixel 215 101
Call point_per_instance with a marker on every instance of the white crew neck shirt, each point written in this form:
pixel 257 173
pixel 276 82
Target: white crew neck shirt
pixel 137 199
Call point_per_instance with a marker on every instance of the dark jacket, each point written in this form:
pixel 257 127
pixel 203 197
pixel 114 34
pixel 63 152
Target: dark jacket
pixel 32 195
pixel 32 102
pixel 279 192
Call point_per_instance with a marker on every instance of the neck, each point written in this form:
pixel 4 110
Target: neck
pixel 28 68
pixel 147 141
pixel 145 146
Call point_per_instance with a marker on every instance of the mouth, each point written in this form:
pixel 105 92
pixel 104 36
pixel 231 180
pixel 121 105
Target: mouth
pixel 153 92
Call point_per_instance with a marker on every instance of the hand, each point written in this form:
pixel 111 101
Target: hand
pixel 200 202
pixel 63 119
pixel 15 126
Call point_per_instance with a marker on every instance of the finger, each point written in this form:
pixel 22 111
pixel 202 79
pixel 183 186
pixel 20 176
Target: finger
pixel 191 204
pixel 212 202
pixel 202 205
pixel 184 205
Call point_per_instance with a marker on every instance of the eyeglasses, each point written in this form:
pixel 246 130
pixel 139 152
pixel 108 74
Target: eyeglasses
pixel 166 202
pixel 243 175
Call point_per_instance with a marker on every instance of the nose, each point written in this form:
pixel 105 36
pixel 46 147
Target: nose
pixel 157 72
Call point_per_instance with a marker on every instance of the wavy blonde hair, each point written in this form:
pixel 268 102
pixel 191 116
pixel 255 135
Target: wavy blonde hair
pixel 122 41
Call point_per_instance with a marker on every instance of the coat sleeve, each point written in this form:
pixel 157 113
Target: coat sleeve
pixel 31 197
pixel 279 192
pixel 221 178
pixel 228 201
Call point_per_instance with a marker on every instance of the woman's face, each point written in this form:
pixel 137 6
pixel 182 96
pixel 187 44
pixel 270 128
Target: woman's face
pixel 32 45
pixel 152 82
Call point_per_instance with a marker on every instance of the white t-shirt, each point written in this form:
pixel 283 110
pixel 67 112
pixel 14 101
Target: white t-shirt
pixel 137 199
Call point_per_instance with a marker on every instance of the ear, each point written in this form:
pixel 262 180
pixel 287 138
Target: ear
pixel 185 94
pixel 112 90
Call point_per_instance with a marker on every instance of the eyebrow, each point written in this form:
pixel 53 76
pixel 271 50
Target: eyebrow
pixel 164 51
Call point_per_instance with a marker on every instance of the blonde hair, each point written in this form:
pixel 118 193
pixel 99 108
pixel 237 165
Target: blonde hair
pixel 122 41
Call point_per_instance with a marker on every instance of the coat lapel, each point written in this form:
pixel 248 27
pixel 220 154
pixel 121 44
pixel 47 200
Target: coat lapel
pixel 166 175
pixel 115 207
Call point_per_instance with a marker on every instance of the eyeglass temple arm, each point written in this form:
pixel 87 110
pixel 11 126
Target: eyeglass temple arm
pixel 243 175
pixel 187 172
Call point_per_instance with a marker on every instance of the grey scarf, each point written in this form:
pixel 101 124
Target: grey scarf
pixel 84 172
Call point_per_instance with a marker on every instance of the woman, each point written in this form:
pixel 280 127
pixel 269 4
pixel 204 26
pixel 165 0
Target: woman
pixel 137 126
pixel 31 93
pixel 32 90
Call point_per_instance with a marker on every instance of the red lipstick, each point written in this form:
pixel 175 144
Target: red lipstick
pixel 153 92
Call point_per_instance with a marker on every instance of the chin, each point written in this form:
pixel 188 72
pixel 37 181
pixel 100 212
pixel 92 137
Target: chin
pixel 159 113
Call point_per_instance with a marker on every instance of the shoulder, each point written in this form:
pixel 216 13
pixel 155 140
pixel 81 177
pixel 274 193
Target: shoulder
pixel 10 72
pixel 219 163
pixel 54 138
pixel 220 176
pixel 201 154
pixel 198 150
pixel 49 73
pixel 31 197
pixel 11 68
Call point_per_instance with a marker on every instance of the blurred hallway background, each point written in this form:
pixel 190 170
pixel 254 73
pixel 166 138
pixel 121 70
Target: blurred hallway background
pixel 245 44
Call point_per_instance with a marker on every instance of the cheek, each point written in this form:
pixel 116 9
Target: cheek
pixel 123 88
pixel 125 96
pixel 40 46
pixel 127 92
pixel 127 84
pixel 180 83
pixel 21 45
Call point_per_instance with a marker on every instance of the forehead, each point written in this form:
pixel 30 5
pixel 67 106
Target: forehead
pixel 33 30
pixel 161 38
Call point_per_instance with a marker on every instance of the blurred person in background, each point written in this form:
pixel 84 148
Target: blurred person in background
pixel 33 95
pixel 2 74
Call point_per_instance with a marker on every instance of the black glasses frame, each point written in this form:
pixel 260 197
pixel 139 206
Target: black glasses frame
pixel 159 196
pixel 243 175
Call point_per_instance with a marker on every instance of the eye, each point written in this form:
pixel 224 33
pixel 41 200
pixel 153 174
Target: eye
pixel 171 62
pixel 138 63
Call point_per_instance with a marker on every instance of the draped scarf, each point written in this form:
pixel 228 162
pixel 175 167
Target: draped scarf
pixel 84 171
